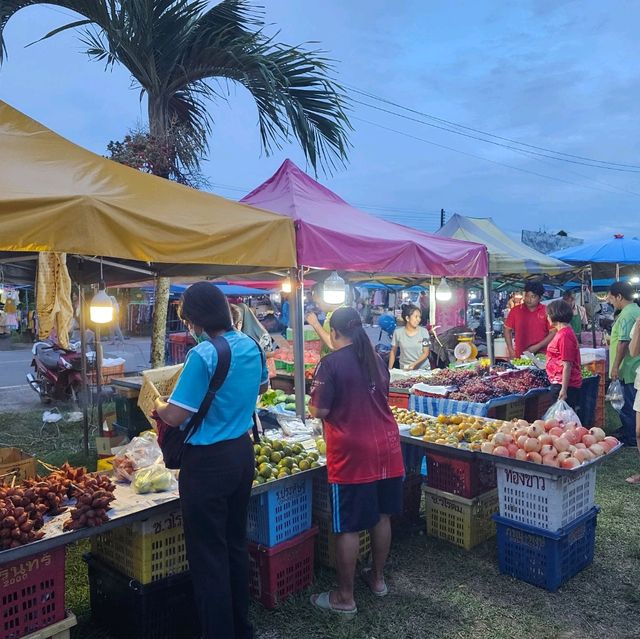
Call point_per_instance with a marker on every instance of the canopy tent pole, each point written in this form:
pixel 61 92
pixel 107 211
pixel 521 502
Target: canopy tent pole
pixel 488 317
pixel 593 309
pixel 297 322
pixel 84 395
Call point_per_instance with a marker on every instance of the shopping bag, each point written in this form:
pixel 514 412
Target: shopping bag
pixel 615 395
pixel 563 413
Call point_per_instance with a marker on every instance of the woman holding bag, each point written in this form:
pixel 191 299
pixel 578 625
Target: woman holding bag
pixel 217 464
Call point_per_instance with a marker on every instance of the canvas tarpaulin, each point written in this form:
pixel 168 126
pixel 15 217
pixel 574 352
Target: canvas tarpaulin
pixel 57 196
pixel 331 234
pixel 53 298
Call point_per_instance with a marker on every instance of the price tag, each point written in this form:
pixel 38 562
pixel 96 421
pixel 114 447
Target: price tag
pixel 308 444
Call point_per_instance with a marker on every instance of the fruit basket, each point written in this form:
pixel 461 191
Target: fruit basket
pixel 280 571
pixel 280 513
pixel 146 551
pixel 163 609
pixel 464 477
pixel 543 558
pixel 463 522
pixel 544 500
pixel 32 593
pixel 157 382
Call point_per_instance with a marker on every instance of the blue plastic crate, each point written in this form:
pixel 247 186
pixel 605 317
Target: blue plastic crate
pixel 542 558
pixel 280 513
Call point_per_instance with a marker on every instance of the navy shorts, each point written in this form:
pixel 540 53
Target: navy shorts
pixel 358 507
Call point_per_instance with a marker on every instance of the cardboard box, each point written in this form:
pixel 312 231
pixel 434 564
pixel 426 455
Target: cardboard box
pixel 15 463
pixel 105 444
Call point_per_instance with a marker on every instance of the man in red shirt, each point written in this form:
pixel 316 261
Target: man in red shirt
pixel 530 323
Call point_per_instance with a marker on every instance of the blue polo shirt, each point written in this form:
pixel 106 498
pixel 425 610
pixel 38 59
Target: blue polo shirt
pixel 230 415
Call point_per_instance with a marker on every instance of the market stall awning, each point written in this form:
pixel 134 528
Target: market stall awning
pixel 614 250
pixel 506 256
pixel 331 234
pixel 57 196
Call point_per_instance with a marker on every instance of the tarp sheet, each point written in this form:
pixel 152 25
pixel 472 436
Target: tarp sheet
pixel 332 234
pixel 57 196
pixel 506 256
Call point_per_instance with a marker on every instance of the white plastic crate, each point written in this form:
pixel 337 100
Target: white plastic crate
pixel 543 500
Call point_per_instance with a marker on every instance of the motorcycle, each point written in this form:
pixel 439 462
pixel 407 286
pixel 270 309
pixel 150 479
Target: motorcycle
pixel 56 372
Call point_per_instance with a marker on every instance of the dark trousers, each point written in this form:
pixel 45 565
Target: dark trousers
pixel 628 415
pixel 215 487
pixel 573 396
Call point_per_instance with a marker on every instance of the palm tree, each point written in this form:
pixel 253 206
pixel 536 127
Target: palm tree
pixel 182 54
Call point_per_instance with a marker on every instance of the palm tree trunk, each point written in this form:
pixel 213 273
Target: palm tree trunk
pixel 158 124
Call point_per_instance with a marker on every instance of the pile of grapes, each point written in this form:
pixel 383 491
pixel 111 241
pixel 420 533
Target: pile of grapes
pixel 23 507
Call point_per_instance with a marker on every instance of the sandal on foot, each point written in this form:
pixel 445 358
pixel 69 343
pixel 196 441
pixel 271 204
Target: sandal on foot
pixel 365 574
pixel 634 479
pixel 323 602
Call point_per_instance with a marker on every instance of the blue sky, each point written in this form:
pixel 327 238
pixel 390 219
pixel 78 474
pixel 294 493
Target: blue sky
pixel 556 74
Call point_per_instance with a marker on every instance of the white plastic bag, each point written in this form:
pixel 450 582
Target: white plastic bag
pixel 153 479
pixel 615 395
pixel 563 413
pixel 140 452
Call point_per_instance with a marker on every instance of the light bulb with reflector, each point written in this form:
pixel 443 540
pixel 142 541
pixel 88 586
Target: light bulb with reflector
pixel 334 289
pixel 443 291
pixel 101 308
pixel 286 285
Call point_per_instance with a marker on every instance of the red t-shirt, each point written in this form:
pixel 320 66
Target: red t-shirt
pixel 363 442
pixel 530 327
pixel 564 348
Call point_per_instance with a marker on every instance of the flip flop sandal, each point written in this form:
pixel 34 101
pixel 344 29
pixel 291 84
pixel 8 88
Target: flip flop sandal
pixel 365 577
pixel 323 602
pixel 633 480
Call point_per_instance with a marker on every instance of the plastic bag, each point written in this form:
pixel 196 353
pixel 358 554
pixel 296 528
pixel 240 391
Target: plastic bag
pixel 140 452
pixel 563 413
pixel 615 395
pixel 154 479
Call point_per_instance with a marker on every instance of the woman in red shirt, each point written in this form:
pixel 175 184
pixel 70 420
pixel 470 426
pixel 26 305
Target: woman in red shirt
pixel 563 355
pixel 364 461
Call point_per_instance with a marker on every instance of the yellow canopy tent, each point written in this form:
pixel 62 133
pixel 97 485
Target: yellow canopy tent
pixel 57 196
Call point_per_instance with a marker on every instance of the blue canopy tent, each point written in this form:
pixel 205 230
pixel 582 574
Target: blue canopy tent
pixel 230 290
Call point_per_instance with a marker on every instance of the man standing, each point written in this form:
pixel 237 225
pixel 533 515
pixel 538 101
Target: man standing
pixel 579 319
pixel 530 323
pixel 622 365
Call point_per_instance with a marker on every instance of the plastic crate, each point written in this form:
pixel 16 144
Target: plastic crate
pixel 107 372
pixel 129 416
pixel 283 570
pixel 537 405
pixel 31 593
pixel 156 383
pixel 460 521
pixel 130 610
pixel 399 400
pixel 280 513
pixel 59 630
pixel 545 501
pixel 589 400
pixel 464 477
pixel 146 551
pixel 411 501
pixel 542 558
pixel 326 544
pixel 321 499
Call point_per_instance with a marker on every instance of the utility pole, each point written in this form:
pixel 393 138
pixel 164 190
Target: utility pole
pixel 441 218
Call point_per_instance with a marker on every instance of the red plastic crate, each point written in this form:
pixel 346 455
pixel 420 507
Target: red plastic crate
pixel 465 478
pixel 280 571
pixel 399 400
pixel 537 405
pixel 32 594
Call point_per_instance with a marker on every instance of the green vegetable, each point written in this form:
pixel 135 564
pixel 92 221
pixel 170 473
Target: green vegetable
pixel 290 406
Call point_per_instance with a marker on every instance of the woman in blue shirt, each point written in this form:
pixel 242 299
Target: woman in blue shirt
pixel 218 462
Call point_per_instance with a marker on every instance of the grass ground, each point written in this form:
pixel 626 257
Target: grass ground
pixel 436 589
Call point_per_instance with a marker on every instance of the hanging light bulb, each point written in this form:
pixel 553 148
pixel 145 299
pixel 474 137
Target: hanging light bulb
pixel 334 289
pixel 286 285
pixel 101 308
pixel 443 291
pixel 635 280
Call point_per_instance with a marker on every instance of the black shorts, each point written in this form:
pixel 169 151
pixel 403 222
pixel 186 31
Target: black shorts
pixel 358 507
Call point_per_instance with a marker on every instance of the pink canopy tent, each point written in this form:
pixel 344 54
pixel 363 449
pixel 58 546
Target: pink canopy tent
pixel 331 234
